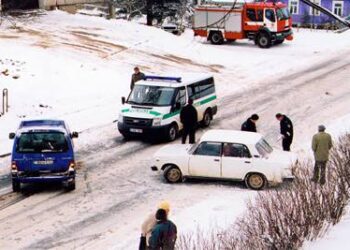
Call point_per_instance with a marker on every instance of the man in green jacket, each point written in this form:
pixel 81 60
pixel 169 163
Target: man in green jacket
pixel 321 144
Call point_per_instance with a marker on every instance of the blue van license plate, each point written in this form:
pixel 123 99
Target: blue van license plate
pixel 47 162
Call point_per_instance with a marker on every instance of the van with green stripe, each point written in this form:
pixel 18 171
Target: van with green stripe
pixel 154 104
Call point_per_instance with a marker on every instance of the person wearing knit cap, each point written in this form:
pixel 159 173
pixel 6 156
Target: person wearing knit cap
pixel 321 144
pixel 250 124
pixel 164 233
pixel 149 223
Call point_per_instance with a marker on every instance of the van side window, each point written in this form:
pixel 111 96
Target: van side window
pixel 181 96
pixel 201 89
pixel 251 14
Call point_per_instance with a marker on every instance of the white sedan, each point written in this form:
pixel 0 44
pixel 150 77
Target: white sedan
pixel 226 154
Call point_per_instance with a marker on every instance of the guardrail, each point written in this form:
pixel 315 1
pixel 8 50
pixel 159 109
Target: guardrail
pixel 5 102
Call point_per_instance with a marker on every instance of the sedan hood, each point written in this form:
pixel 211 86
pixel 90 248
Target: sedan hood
pixel 173 150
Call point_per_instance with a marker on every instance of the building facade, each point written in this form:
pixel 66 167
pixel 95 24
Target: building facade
pixel 303 14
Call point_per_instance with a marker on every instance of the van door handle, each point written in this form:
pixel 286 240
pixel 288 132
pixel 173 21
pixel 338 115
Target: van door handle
pixel 247 162
pixel 216 159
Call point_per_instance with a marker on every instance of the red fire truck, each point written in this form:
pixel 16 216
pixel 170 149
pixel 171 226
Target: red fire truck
pixel 265 23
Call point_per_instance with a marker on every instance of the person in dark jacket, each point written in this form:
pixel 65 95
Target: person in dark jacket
pixel 286 131
pixel 250 124
pixel 164 233
pixel 189 119
pixel 137 76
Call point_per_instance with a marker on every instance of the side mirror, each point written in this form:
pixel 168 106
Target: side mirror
pixel 123 100
pixel 74 135
pixel 12 136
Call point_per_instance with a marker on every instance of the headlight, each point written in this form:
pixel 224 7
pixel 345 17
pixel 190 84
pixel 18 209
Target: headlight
pixel 120 118
pixel 157 121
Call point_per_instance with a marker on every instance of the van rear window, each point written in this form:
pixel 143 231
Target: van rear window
pixel 41 142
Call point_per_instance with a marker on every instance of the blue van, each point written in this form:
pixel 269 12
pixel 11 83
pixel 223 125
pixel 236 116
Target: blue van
pixel 43 152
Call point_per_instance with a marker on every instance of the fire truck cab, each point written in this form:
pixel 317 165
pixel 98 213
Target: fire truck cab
pixel 265 23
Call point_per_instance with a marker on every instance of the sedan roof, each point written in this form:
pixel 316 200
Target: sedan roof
pixel 231 136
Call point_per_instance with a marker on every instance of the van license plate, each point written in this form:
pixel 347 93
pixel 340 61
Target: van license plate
pixel 136 130
pixel 48 162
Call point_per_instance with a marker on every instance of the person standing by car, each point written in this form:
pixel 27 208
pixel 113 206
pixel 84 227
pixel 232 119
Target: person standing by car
pixel 286 131
pixel 150 223
pixel 321 144
pixel 189 119
pixel 137 76
pixel 250 124
pixel 164 233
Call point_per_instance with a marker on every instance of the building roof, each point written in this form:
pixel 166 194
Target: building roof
pixel 185 80
pixel 233 136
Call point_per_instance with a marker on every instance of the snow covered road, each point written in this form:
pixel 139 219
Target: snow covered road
pixel 116 188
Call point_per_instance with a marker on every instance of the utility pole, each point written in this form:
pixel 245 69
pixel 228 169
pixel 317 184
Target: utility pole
pixel 111 9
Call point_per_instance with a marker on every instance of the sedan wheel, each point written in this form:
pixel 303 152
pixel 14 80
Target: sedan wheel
pixel 172 174
pixel 255 181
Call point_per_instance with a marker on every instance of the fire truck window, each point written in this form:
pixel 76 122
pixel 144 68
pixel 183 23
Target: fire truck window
pixel 270 15
pixel 260 15
pixel 251 14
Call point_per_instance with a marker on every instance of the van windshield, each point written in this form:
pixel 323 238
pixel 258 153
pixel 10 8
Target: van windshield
pixel 151 95
pixel 41 142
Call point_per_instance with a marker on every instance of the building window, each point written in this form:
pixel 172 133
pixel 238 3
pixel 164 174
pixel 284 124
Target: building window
pixel 314 12
pixel 294 7
pixel 338 7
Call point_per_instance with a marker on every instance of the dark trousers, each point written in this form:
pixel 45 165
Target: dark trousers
pixel 286 142
pixel 320 172
pixel 188 131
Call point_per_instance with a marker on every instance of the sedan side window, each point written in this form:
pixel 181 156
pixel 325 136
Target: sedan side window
pixel 209 149
pixel 236 150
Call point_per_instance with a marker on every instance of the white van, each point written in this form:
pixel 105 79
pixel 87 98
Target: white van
pixel 153 106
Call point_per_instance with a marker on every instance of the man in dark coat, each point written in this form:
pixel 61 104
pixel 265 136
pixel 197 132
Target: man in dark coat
pixel 164 233
pixel 286 131
pixel 250 124
pixel 189 119
pixel 137 76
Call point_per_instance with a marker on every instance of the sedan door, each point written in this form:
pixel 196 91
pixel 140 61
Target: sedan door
pixel 205 161
pixel 236 161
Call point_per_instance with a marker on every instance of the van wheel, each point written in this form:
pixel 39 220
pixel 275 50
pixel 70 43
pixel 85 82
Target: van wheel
pixel 255 181
pixel 71 186
pixel 264 40
pixel 172 174
pixel 216 38
pixel 172 132
pixel 206 119
pixel 16 186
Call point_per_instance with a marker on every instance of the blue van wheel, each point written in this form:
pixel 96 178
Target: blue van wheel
pixel 16 186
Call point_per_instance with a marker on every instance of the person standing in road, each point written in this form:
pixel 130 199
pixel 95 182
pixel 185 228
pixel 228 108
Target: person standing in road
pixel 137 76
pixel 321 144
pixel 286 131
pixel 250 124
pixel 189 119
pixel 164 233
pixel 149 223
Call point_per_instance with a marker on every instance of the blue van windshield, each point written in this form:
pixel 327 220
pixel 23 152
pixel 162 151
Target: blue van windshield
pixel 41 142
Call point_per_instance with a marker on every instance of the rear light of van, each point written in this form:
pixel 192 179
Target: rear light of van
pixel 71 166
pixel 14 166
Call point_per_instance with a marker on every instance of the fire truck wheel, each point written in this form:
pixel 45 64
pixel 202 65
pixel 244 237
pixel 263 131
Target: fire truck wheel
pixel 216 37
pixel 264 40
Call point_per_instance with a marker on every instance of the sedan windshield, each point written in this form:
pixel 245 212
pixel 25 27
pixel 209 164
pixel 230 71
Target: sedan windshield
pixel 151 95
pixel 263 148
pixel 41 142
pixel 282 14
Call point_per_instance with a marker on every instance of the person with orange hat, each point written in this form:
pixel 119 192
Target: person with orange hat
pixel 149 223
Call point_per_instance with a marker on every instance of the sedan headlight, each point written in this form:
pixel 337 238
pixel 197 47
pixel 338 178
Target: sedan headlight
pixel 157 121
